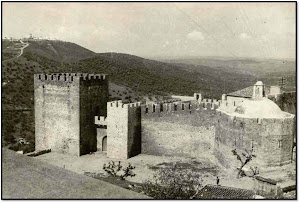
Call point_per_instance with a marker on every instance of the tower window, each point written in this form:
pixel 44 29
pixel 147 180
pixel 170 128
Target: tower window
pixel 279 143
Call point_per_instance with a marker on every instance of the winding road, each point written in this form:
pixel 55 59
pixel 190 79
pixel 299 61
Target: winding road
pixel 21 51
pixel 22 48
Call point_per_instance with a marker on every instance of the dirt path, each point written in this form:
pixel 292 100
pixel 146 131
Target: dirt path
pixel 22 48
pixel 21 52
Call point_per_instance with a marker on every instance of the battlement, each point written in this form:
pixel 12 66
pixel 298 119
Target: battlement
pixel 166 101
pixel 69 77
pixel 119 104
pixel 100 120
pixel 179 107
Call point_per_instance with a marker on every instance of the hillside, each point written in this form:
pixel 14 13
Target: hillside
pixel 267 70
pixel 152 77
pixel 59 50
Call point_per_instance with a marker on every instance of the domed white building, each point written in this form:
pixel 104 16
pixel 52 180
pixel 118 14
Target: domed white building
pixel 259 108
pixel 255 123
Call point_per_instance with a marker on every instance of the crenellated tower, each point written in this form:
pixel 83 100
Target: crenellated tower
pixel 123 129
pixel 65 107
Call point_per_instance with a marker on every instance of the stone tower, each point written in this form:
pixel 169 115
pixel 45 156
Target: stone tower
pixel 65 107
pixel 123 130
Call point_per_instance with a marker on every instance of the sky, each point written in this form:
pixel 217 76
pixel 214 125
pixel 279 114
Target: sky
pixel 174 30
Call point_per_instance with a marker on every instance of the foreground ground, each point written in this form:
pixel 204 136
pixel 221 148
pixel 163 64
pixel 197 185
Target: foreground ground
pixel 147 165
pixel 28 178
pixel 52 175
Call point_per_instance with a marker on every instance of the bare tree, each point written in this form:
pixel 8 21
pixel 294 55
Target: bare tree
pixel 244 158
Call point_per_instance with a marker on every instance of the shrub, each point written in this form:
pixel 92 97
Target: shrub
pixel 113 169
pixel 173 183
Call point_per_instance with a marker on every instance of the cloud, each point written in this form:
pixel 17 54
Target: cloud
pixel 244 36
pixel 195 36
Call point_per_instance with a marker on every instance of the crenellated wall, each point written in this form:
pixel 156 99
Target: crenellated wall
pixel 65 106
pixel 178 107
pixel 179 128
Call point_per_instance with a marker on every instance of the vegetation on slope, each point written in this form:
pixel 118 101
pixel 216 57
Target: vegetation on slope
pixel 59 50
pixel 267 70
pixel 158 78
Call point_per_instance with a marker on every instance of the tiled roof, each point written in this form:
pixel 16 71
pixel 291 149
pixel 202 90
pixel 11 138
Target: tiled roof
pixel 223 192
pixel 246 92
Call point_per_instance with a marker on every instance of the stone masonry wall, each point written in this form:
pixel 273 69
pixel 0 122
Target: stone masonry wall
pixel 134 130
pixel 93 99
pixel 271 139
pixel 123 130
pixel 117 130
pixel 57 113
pixel 178 129
pixel 101 133
pixel 65 107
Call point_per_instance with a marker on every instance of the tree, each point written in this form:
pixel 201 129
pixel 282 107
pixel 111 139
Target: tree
pixel 244 158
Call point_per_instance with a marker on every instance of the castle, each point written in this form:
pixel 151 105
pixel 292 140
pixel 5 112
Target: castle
pixel 73 115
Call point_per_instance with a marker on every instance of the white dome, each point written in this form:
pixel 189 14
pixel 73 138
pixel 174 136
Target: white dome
pixel 259 83
pixel 259 108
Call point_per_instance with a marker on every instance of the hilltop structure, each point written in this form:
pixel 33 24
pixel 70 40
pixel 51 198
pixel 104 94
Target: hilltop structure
pixel 73 115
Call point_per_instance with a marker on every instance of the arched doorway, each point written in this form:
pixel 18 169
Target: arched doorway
pixel 104 144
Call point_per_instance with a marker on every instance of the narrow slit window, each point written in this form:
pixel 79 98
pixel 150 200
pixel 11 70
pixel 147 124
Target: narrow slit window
pixel 279 143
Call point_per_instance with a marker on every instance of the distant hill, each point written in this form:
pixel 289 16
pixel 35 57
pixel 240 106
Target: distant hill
pixel 269 71
pixel 59 50
pixel 159 78
pixel 253 66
